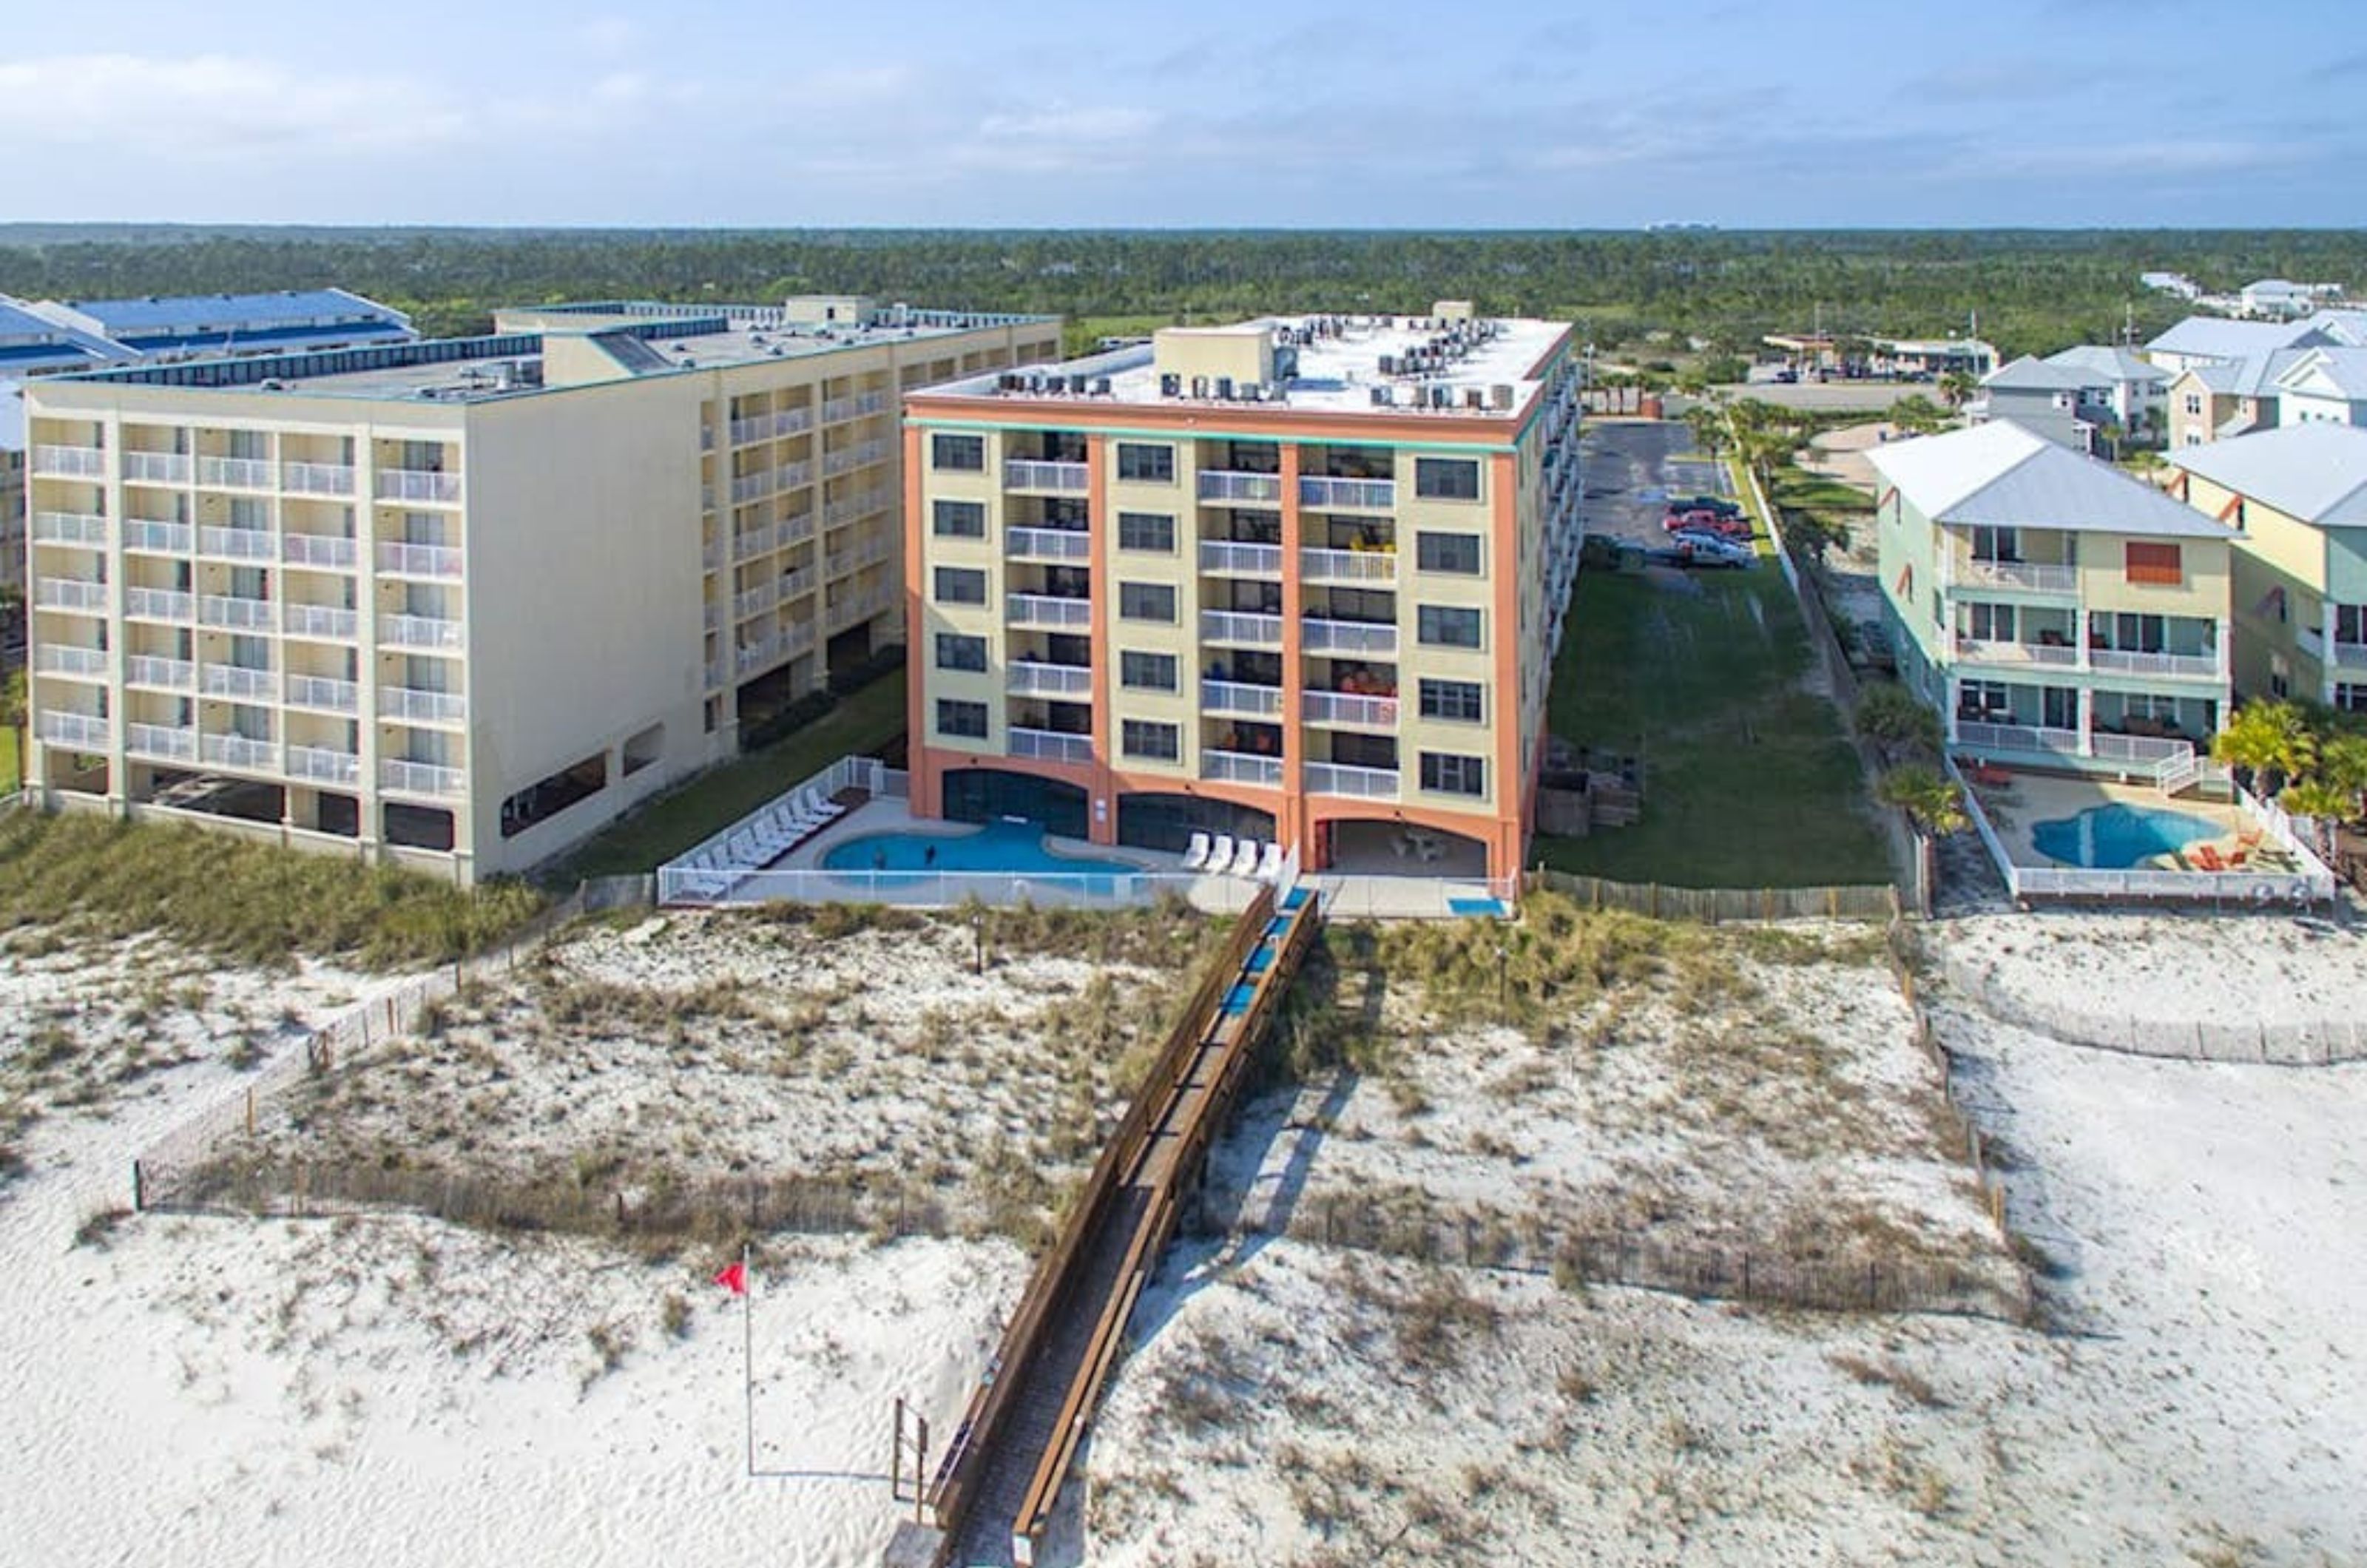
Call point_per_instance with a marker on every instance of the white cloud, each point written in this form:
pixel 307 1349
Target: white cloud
pixel 608 36
pixel 214 105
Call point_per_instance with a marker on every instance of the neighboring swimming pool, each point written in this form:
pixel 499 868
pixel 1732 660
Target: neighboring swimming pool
pixel 1007 849
pixel 2116 837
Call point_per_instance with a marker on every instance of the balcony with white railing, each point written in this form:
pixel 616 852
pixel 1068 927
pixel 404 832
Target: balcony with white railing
pixel 156 468
pixel 755 542
pixel 1047 610
pixel 798 582
pixel 2031 576
pixel 1047 544
pixel 1031 678
pixel 419 631
pixel 158 538
pixel 1350 708
pixel 2005 651
pixel 234 473
pixel 237 544
pixel 323 694
pixel 177 740
pixel 331 550
pixel 69 462
pixel 851 507
pixel 405 777
pixel 239 751
pixel 1240 767
pixel 417 484
pixel 317 479
pixel 237 681
pixel 854 607
pixel 796 530
pixel 837 409
pixel 1362 495
pixel 1240 628
pixel 57 728
pixel 321 762
pixel 871 402
pixel 1324 636
pixel 319 621
pixel 235 611
pixel 69 594
pixel 70 659
pixel 1226 558
pixel 1051 745
pixel 1983 736
pixel 790 422
pixel 163 674
pixel 1240 697
pixel 158 605
pixel 2173 666
pixel 793 476
pixel 1062 478
pixel 418 561
pixel 2149 749
pixel 1255 489
pixel 755 601
pixel 2348 655
pixel 1348 565
pixel 85 528
pixel 1366 783
pixel 413 705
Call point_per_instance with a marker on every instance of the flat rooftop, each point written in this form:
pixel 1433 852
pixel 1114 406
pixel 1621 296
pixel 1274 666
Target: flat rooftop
pixel 1322 364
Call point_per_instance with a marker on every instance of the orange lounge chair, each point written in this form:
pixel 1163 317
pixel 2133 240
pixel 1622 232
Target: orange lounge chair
pixel 2207 857
pixel 1989 775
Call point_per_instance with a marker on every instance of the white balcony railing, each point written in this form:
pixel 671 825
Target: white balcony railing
pixel 56 728
pixel 235 611
pixel 2188 666
pixel 1982 735
pixel 158 538
pixel 1051 745
pixel 237 544
pixel 320 762
pixel 420 778
pixel 754 543
pixel 1240 697
pixel 320 620
pixel 161 739
pixel 1982 650
pixel 419 560
pixel 1352 708
pixel 69 594
pixel 1241 626
pixel 1336 778
pixel 2138 747
pixel 234 473
pixel 419 631
pixel 2037 577
pixel 69 462
pixel 70 529
pixel 323 694
pixel 837 409
pixel 240 751
pixel 2349 655
pixel 317 479
pixel 1364 495
pixel 800 581
pixel 755 601
pixel 1348 565
pixel 237 681
pixel 164 674
pixel 1240 767
pixel 417 484
pixel 1224 556
pixel 1324 636
pixel 70 659
pixel 414 706
pixel 1066 478
pixel 334 550
pixel 156 468
pixel 1029 678
pixel 1259 490
pixel 158 603
pixel 1047 544
pixel 1045 610
pixel 870 402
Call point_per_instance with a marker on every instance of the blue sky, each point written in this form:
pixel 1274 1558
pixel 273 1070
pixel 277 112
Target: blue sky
pixel 1218 113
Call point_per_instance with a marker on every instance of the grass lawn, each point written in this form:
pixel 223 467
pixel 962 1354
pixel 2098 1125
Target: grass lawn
pixel 1814 492
pixel 9 758
pixel 859 725
pixel 1749 781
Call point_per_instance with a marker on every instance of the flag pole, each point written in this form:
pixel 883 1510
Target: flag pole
pixel 748 1352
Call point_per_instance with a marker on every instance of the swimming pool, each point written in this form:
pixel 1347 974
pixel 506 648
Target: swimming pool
pixel 999 849
pixel 2116 837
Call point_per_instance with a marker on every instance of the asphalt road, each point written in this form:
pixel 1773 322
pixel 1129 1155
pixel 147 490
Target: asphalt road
pixel 1631 467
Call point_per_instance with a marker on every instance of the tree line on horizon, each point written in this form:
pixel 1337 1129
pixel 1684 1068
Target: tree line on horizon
pixel 2028 290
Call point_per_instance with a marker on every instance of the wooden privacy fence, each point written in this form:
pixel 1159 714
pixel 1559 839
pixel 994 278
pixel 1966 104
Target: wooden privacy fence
pixel 1713 905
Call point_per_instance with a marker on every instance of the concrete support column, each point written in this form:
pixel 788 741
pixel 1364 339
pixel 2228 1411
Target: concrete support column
pixel 2086 722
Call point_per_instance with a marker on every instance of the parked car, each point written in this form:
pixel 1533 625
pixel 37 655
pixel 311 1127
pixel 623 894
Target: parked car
pixel 1713 549
pixel 1717 503
pixel 1705 522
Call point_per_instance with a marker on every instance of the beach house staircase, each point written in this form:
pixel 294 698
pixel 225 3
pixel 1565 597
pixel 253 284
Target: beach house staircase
pixel 993 1494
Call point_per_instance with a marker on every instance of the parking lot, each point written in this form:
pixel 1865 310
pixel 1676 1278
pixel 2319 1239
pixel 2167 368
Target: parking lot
pixel 1632 468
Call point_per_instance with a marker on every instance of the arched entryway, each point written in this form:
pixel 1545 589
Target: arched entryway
pixel 1166 822
pixel 985 794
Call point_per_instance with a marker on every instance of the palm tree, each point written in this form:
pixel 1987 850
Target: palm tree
pixel 2324 804
pixel 2265 739
pixel 1708 422
pixel 1957 386
pixel 1925 793
pixel 2342 767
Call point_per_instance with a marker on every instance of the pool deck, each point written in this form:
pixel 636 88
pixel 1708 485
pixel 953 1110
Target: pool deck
pixel 2034 799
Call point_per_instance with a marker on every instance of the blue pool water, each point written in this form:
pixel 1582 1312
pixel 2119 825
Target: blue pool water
pixel 1006 848
pixel 2116 837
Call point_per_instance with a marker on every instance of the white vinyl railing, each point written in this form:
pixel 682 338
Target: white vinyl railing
pixel 2198 666
pixel 239 751
pixel 69 462
pixel 1260 489
pixel 324 693
pixel 58 727
pixel 1240 767
pixel 1240 697
pixel 165 674
pixel 317 479
pixel 1977 650
pixel 318 549
pixel 161 739
pixel 1069 478
pixel 160 538
pixel 417 484
pixel 1349 636
pixel 420 778
pixel 2146 748
pixel 320 762
pixel 68 659
pixel 237 544
pixel 69 594
pixel 1337 778
pixel 1348 565
pixel 1348 707
pixel 419 631
pixel 414 706
pixel 2030 575
pixel 320 620
pixel 1369 495
pixel 69 528
pixel 1029 678
pixel 1241 626
pixel 1051 745
pixel 1046 609
pixel 234 473
pixel 234 610
pixel 1254 560
pixel 419 560
pixel 1047 544
pixel 158 603
pixel 156 468
pixel 1977 735
pixel 237 681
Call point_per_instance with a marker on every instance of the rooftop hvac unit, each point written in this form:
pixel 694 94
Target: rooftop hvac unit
pixel 1388 365
pixel 1473 398
pixel 1501 394
pixel 1442 397
pixel 1078 383
pixel 1171 385
pixel 1010 382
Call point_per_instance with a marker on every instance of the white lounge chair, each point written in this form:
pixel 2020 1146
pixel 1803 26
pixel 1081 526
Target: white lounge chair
pixel 1220 857
pixel 822 806
pixel 1245 859
pixel 1196 854
pixel 1269 867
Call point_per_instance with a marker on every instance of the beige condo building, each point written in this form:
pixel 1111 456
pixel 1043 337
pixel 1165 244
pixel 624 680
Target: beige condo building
pixel 456 603
pixel 1297 581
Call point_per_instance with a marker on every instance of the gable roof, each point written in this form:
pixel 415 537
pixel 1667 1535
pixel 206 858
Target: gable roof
pixel 2110 362
pixel 2328 372
pixel 2029 375
pixel 196 313
pixel 2003 474
pixel 2221 339
pixel 2314 472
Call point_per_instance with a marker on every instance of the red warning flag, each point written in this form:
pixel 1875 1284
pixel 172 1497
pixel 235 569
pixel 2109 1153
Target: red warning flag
pixel 733 1278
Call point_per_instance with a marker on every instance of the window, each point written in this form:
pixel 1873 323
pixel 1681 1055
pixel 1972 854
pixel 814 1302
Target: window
pixel 1447 478
pixel 1447 552
pixel 2349 698
pixel 965 721
pixel 959 519
pixel 1160 742
pixel 1447 773
pixel 1457 700
pixel 1151 465
pixel 1442 625
pixel 1146 531
pixel 1145 602
pixel 1991 699
pixel 958 454
pixel 957 652
pixel 1146 671
pixel 2194 404
pixel 1988 623
pixel 962 585
pixel 2157 565
pixel 2351 623
pixel 1996 544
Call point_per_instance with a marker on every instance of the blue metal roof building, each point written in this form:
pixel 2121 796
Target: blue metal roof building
pixel 318 318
